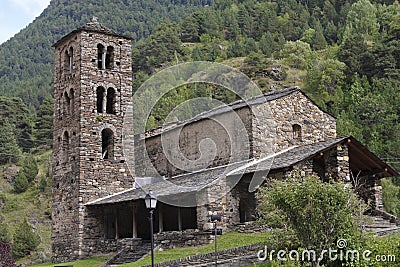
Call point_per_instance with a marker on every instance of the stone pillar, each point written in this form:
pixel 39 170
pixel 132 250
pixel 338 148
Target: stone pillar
pixel 377 191
pixel 343 163
pixel 103 61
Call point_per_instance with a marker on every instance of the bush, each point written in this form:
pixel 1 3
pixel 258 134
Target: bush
pixel 318 214
pixel 24 240
pixel 21 183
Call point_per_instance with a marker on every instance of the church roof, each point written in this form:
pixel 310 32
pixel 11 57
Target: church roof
pixel 361 159
pixel 269 96
pixel 186 186
pixel 92 26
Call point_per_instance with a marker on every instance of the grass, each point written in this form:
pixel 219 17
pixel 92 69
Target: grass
pixel 33 205
pixel 90 262
pixel 226 241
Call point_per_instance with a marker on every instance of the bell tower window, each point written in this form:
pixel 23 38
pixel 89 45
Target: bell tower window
pixel 101 57
pixel 111 96
pixel 67 103
pixel 69 60
pixel 296 132
pixel 109 57
pixel 107 143
pixel 100 99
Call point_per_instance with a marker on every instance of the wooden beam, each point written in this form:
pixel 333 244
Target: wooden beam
pixel 179 219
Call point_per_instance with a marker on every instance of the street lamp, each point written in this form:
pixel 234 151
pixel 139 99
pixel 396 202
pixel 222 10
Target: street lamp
pixel 216 218
pixel 151 203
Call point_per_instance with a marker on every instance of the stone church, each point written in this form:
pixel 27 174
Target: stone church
pixel 98 206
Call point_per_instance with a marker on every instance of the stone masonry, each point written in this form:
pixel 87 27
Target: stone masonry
pixel 91 98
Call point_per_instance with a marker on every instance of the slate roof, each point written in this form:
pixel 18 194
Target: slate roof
pixel 225 108
pixel 92 26
pixel 189 185
pixel 185 185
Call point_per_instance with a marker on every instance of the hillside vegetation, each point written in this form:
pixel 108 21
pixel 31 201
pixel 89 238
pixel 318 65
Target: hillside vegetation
pixel 345 54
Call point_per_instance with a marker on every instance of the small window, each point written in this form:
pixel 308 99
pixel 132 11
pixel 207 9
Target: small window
pixel 100 99
pixel 111 97
pixel 65 141
pixel 107 142
pixel 296 132
pixel 101 57
pixel 110 57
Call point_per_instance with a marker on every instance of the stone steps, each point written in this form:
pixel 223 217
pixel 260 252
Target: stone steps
pixel 382 223
pixel 130 254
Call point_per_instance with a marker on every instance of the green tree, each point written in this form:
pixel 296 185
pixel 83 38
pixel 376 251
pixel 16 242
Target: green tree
pixel 391 196
pixel 9 150
pixel 296 54
pixel 319 213
pixel 43 130
pixel 24 240
pixel 29 167
pixel 361 19
pixel 21 183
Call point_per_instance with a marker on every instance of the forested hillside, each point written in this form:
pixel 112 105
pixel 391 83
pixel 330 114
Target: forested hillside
pixel 345 54
pixel 26 61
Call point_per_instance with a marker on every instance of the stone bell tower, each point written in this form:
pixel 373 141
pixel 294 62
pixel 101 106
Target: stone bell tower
pixel 92 91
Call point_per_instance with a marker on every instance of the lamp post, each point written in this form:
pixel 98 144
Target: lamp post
pixel 215 218
pixel 151 203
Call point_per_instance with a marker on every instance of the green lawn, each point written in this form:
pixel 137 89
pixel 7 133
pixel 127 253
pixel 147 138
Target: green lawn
pixel 226 241
pixel 90 262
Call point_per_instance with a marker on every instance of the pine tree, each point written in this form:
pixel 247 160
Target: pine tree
pixel 24 240
pixel 9 150
pixel 44 122
pixel 21 183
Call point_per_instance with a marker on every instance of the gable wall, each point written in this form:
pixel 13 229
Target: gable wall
pixel 273 124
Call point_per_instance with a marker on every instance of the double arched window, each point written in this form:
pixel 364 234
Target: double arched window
pixel 106 100
pixel 105 57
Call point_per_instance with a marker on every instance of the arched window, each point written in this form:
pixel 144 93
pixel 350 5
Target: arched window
pixel 65 145
pixel 101 57
pixel 100 99
pixel 111 97
pixel 72 100
pixel 110 57
pixel 68 60
pixel 67 103
pixel 296 132
pixel 107 144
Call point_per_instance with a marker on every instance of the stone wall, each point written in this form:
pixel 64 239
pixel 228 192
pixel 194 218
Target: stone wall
pixel 189 237
pixel 282 114
pixel 80 173
pixel 197 145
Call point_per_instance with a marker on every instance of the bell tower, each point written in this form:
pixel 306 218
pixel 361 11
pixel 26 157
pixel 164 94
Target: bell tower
pixel 92 91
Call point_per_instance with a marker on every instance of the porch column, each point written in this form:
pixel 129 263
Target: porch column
pixel 103 60
pixel 134 228
pixel 160 220
pixel 179 219
pixel 116 225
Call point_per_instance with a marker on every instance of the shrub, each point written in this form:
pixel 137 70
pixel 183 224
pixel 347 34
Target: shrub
pixel 24 240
